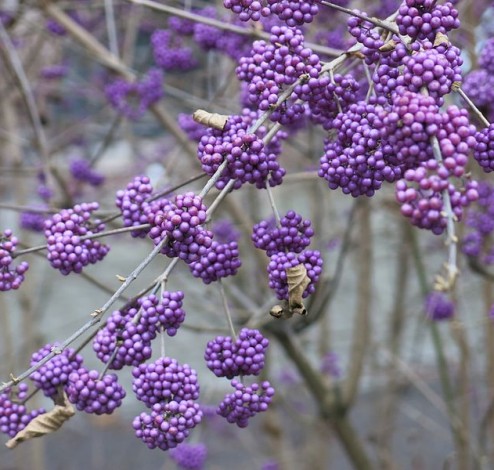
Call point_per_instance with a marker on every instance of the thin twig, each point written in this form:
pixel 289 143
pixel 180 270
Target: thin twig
pixel 111 27
pixel 226 310
pixel 474 108
pixel 224 26
pixel 384 24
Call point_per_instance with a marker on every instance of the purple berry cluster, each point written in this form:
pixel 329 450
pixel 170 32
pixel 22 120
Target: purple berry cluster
pixel 411 122
pixel 132 99
pixel 193 129
pixel 189 456
pixel 181 222
pixel 294 13
pixel 438 307
pixel 247 9
pixel 248 159
pixel 421 195
pixel 357 161
pixel 423 19
pixel 125 340
pixel 224 231
pixel 168 425
pixel 133 202
pixel 81 170
pixel 273 66
pixel 280 262
pixel 163 381
pixel 162 314
pixel 479 83
pixel 366 34
pixel 10 277
pixel 54 374
pixel 479 86
pixel 245 402
pixel 94 394
pixel 340 92
pixel 294 234
pixel 421 191
pixel 13 413
pixel 484 148
pixel 435 69
pixel 477 242
pixel 170 53
pixel 67 251
pixel 220 260
pixel 486 58
pixel 244 356
pixel 34 221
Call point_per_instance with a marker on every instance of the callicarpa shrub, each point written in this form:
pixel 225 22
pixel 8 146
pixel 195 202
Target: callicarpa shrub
pixel 243 192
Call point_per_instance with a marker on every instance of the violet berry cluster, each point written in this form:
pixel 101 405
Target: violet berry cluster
pixel 14 416
pixel 245 402
pixel 53 376
pixel 81 170
pixel 438 307
pixel 477 242
pixel 220 260
pixel 169 389
pixel 163 313
pixel 67 250
pixel 11 277
pixel 243 356
pixel 484 148
pixel 286 246
pixel 94 394
pixel 164 380
pixel 293 234
pixel 133 99
pixel 189 456
pixel 168 424
pixel 272 67
pixel 479 83
pixel 124 340
pixel 170 53
pixel 281 262
pixel 181 222
pixel 424 19
pixel 226 357
pixel 248 159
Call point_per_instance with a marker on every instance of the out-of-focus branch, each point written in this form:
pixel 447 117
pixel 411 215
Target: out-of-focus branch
pixel 362 324
pixel 330 409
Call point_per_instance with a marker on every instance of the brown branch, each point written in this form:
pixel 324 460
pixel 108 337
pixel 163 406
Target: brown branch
pixel 362 325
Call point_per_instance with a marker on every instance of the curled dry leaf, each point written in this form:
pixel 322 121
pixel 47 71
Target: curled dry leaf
pixel 388 46
pixel 214 120
pixel 440 39
pixel 44 424
pixel 297 283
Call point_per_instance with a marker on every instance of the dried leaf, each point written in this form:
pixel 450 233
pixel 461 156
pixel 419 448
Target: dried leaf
pixel 297 283
pixel 214 120
pixel 356 54
pixel 440 39
pixel 388 46
pixel 279 311
pixel 44 424
pixel 282 311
